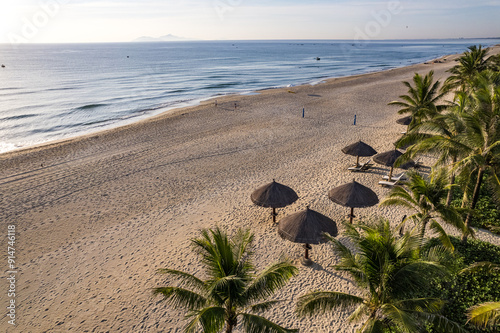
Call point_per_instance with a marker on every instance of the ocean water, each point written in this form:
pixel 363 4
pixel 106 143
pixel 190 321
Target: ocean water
pixel 50 92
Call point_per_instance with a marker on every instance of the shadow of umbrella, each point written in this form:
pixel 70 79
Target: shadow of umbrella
pixel 359 149
pixel 274 195
pixel 307 227
pixel 353 195
pixel 388 158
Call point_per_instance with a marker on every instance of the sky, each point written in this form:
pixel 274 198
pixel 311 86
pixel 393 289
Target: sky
pixel 77 21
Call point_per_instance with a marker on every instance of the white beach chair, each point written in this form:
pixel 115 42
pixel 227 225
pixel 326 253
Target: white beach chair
pixel 388 183
pixel 401 176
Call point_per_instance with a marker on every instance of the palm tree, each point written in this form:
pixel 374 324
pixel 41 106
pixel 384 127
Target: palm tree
pixel 470 137
pixel 471 63
pixel 231 291
pixel 426 198
pixel 388 270
pixel 480 141
pixel 434 136
pixel 421 101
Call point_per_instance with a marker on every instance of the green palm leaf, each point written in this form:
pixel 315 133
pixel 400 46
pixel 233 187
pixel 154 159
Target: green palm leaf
pixel 264 306
pixel 257 324
pixel 231 284
pixel 188 279
pixel 323 301
pixel 270 280
pixel 210 320
pixel 485 314
pixel 181 297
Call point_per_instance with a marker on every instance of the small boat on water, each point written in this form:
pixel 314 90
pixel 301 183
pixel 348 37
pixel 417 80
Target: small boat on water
pixel 318 58
pixel 3 66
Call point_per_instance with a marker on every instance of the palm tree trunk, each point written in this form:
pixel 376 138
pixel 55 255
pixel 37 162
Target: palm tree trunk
pixel 465 198
pixel 422 230
pixel 475 197
pixel 449 198
pixel 452 182
pixel 231 322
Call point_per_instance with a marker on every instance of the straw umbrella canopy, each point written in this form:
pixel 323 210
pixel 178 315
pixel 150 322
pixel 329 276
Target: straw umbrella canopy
pixel 359 149
pixel 353 195
pixel 405 121
pixel 388 158
pixel 274 195
pixel 307 227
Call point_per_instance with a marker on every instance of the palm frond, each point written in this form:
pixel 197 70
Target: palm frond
pixel 210 320
pixel 242 241
pixel 403 320
pixel 373 325
pixel 187 279
pixel 264 306
pixel 256 324
pixel 485 314
pixel 319 302
pixel 481 266
pixel 181 297
pixel 440 323
pixel 426 304
pixel 271 279
pixel 442 235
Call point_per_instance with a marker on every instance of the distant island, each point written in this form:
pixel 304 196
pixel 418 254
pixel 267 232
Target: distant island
pixel 165 38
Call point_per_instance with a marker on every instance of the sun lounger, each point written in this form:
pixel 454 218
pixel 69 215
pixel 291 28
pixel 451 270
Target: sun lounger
pixel 388 183
pixel 362 167
pixel 401 176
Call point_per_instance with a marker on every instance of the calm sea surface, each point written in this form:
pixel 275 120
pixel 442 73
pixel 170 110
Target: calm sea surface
pixel 49 92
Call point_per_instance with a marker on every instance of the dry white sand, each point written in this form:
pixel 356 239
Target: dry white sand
pixel 96 216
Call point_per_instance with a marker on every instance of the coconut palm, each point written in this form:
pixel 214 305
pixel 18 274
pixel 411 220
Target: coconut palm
pixel 479 143
pixel 426 198
pixel 422 99
pixel 473 144
pixel 387 270
pixel 232 293
pixel 433 136
pixel 471 63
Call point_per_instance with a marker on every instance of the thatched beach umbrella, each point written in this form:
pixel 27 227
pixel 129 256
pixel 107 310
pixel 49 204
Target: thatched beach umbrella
pixel 353 195
pixel 388 158
pixel 274 195
pixel 306 227
pixel 359 149
pixel 405 121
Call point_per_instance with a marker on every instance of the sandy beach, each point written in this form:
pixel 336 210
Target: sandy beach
pixel 97 215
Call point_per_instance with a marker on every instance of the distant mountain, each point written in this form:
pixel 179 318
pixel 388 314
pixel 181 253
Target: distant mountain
pixel 166 38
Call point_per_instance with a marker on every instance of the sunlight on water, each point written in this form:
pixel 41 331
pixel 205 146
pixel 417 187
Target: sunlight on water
pixel 49 92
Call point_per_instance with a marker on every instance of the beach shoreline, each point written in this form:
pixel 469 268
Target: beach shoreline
pixel 164 111
pixel 176 110
pixel 97 215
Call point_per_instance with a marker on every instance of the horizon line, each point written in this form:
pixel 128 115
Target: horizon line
pixel 250 40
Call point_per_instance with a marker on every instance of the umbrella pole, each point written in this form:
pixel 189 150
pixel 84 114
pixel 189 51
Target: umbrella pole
pixel 274 215
pixel 306 261
pixel 351 216
pixel 357 161
pixel 390 173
